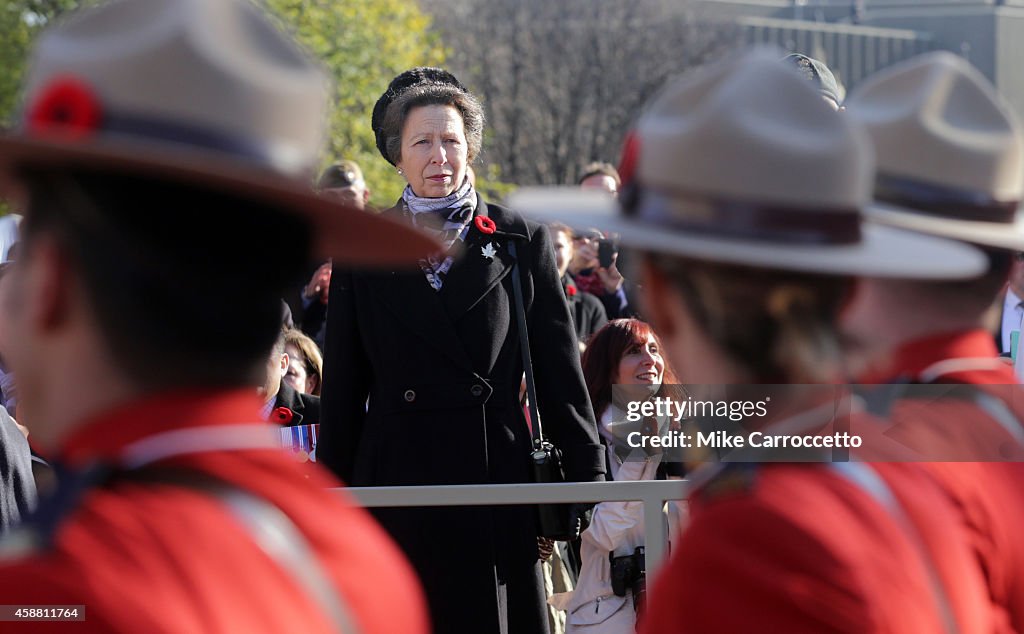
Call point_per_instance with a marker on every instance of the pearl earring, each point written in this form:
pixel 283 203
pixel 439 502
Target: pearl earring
pixel 399 170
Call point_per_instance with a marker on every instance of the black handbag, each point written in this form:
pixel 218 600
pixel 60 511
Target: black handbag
pixel 545 458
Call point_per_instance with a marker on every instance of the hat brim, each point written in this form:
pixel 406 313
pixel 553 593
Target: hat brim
pixel 992 234
pixel 349 235
pixel 882 252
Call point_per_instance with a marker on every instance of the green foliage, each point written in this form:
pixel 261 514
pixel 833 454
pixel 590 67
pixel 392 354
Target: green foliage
pixel 20 21
pixel 364 44
pixel 15 35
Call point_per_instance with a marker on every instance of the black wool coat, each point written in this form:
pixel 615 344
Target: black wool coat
pixel 588 314
pixel 422 387
pixel 305 407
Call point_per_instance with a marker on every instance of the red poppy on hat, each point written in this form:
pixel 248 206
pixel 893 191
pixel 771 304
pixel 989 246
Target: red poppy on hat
pixel 282 415
pixel 68 107
pixel 485 225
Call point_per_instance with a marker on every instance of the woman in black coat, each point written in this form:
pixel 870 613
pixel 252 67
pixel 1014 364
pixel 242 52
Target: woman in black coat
pixel 423 368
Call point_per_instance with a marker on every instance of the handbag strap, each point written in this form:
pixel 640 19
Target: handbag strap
pixel 524 345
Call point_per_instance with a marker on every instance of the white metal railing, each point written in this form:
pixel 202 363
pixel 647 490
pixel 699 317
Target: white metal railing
pixel 652 493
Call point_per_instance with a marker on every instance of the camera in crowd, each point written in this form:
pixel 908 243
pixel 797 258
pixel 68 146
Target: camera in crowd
pixel 606 250
pixel 629 572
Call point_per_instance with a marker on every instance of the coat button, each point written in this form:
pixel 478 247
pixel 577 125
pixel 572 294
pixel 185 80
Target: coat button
pixel 476 390
pixel 410 396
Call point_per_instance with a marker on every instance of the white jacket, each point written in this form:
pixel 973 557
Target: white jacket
pixel 618 527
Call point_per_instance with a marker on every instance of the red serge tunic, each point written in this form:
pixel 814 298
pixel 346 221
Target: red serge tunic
pixel 798 549
pixel 811 548
pixel 990 495
pixel 158 557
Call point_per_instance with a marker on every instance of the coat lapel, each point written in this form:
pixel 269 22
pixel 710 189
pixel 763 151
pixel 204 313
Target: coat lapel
pixel 287 397
pixel 409 297
pixel 475 274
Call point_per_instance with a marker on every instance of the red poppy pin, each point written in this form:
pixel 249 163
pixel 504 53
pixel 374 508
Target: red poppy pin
pixel 485 225
pixel 68 107
pixel 281 415
pixel 570 291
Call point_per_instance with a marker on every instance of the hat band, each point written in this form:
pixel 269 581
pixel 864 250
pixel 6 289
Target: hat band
pixel 749 221
pixel 148 129
pixel 945 202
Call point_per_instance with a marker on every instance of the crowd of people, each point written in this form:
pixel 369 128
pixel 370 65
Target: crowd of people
pixel 761 228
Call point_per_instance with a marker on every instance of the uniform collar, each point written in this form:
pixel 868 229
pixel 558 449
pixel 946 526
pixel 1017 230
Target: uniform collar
pixel 914 357
pixel 105 436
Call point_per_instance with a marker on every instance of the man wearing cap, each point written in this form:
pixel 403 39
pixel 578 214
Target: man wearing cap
pixel 949 163
pixel 344 183
pixel 743 280
pixel 176 510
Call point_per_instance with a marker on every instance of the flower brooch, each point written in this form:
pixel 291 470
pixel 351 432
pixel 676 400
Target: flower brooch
pixel 485 225
pixel 282 416
pixel 68 107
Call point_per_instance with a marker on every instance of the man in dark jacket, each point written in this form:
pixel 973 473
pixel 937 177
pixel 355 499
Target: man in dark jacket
pixel 588 314
pixel 302 409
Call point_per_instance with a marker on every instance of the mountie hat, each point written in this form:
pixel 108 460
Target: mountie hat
pixel 742 162
pixel 818 74
pixel 340 176
pixel 203 92
pixel 401 83
pixel 950 151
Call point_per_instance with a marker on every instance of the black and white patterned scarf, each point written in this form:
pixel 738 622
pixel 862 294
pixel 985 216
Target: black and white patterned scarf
pixel 446 218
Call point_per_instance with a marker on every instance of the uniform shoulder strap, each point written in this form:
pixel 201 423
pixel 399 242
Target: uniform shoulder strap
pixel 865 478
pixel 271 530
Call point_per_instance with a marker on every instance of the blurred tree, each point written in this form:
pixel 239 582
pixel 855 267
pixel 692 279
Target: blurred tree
pixel 20 20
pixel 14 37
pixel 562 81
pixel 363 44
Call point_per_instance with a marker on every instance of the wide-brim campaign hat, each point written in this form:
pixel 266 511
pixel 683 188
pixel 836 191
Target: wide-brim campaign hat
pixel 203 92
pixel 949 151
pixel 742 162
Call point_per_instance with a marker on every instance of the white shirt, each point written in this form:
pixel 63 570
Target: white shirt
pixel 1013 312
pixel 618 528
pixel 8 234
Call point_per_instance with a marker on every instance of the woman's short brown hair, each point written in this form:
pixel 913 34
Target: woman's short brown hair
pixel 433 95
